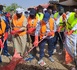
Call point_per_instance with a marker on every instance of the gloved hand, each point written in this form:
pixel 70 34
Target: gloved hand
pixel 36 41
pixel 70 32
pixel 64 16
pixel 31 30
pixel 28 25
pixel 59 29
pixel 1 44
pixel 55 19
pixel 13 32
pixel 51 33
pixel 5 36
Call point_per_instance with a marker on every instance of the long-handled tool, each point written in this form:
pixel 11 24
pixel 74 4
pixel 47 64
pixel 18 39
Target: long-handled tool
pixel 34 47
pixel 13 63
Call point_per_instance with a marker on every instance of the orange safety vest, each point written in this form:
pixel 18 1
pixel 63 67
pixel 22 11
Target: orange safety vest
pixel 2 27
pixel 43 27
pixel 18 23
pixel 32 24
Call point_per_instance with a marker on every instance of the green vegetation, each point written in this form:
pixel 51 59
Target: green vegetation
pixel 13 7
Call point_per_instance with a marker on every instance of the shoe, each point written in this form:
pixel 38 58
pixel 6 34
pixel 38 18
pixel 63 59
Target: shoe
pixel 60 52
pixel 7 54
pixel 29 58
pixel 41 62
pixel 54 51
pixel 73 68
pixel 51 59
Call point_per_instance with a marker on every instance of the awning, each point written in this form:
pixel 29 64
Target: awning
pixel 69 3
pixel 45 5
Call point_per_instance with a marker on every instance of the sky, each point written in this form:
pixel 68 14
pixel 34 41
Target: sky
pixel 24 3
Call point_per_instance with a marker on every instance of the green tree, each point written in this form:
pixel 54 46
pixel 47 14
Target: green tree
pixel 13 7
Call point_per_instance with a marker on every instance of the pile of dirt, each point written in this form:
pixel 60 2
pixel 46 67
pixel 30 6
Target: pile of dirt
pixel 30 67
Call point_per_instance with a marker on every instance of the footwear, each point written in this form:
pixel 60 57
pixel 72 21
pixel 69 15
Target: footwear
pixel 73 68
pixel 60 52
pixel 41 62
pixel 54 51
pixel 7 54
pixel 51 59
pixel 31 57
pixel 28 59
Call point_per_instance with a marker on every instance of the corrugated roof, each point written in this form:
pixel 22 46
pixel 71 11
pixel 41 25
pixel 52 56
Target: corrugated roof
pixel 69 3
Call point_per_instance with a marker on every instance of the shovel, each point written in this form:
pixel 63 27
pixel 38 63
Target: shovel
pixel 15 62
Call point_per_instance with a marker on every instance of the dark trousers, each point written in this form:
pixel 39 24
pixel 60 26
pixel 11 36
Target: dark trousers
pixel 51 47
pixel 34 50
pixel 5 49
pixel 60 38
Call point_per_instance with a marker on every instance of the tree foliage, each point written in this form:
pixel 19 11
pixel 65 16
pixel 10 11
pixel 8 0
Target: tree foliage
pixel 13 7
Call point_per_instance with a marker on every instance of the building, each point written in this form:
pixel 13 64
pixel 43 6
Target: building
pixel 68 5
pixel 56 1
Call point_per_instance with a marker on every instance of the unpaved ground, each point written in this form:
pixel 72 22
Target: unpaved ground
pixel 57 65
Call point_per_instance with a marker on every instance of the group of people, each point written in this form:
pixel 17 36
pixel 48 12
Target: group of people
pixel 44 26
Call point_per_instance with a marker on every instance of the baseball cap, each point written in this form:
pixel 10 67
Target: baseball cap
pixel 46 16
pixel 19 10
pixel 32 12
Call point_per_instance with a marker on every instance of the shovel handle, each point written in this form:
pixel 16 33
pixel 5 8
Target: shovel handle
pixel 33 47
pixel 1 51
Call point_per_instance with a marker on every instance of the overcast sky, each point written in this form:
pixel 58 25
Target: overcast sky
pixel 24 3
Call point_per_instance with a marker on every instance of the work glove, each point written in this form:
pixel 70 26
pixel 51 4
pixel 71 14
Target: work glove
pixel 55 19
pixel 59 29
pixel 5 36
pixel 36 41
pixel 64 16
pixel 70 32
pixel 51 33
pixel 13 32
pixel 1 44
pixel 31 30
pixel 28 26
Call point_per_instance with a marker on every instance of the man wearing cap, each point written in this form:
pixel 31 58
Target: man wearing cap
pixel 45 28
pixel 40 14
pixel 19 23
pixel 32 22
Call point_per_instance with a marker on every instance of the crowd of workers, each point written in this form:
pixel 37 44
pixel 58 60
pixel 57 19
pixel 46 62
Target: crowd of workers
pixel 44 26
